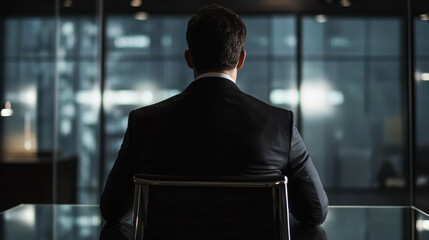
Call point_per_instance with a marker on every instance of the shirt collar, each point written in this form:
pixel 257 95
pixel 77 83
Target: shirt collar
pixel 215 74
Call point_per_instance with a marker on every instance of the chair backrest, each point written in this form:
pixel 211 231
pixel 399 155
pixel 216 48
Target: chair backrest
pixel 184 207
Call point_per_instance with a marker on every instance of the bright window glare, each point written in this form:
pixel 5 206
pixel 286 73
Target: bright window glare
pixel 135 41
pixel 321 18
pixel 424 76
pixel 284 96
pixel 312 98
pixel 25 214
pixel 88 97
pixel 335 98
pixel 6 112
pixel 422 225
pixel 29 96
pixel 318 98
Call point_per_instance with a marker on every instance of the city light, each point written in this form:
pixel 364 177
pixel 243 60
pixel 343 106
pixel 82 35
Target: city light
pixel 28 96
pixel 315 99
pixel 141 16
pixel 284 96
pixel 339 42
pixel 7 110
pixel 422 225
pixel 321 18
pixel 132 41
pixel 424 76
pixel 147 97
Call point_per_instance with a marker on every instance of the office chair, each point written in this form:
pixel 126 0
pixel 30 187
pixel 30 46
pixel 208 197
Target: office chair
pixel 184 207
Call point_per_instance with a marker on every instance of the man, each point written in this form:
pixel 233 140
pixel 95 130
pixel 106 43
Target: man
pixel 212 128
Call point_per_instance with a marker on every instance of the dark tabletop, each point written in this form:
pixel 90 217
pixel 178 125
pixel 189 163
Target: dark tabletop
pixel 84 222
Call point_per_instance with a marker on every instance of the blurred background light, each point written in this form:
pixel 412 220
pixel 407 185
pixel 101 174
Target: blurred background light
pixel 321 18
pixel 284 96
pixel 135 3
pixel 424 76
pixel 141 16
pixel 422 225
pixel 29 96
pixel 7 110
pixel 68 3
pixel 133 41
pixel 317 98
pixel 345 3
pixel 25 215
pixel 424 17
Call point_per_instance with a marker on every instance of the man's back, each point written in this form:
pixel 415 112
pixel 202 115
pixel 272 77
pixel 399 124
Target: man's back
pixel 212 128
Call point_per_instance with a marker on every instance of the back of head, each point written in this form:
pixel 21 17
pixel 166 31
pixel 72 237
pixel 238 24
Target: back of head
pixel 215 37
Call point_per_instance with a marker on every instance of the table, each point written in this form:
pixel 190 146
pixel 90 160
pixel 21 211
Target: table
pixel 72 222
pixel 20 172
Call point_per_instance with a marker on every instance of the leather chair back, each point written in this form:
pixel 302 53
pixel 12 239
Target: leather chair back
pixel 221 207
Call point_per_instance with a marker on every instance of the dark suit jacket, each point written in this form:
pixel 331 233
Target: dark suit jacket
pixel 213 128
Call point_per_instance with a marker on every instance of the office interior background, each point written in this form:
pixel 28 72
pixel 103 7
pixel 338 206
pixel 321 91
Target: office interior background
pixel 355 73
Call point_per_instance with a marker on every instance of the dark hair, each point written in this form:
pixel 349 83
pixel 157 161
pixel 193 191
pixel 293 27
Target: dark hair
pixel 215 37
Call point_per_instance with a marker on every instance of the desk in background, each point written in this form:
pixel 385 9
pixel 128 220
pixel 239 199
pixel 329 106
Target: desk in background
pixel 29 179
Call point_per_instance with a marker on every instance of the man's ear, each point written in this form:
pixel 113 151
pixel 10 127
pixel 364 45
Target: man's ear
pixel 241 59
pixel 188 59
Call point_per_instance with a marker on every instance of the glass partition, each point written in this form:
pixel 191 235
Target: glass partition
pixel 144 64
pixel 71 71
pixel 78 98
pixel 352 104
pixel 27 60
pixel 420 18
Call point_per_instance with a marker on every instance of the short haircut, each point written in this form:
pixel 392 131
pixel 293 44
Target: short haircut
pixel 216 37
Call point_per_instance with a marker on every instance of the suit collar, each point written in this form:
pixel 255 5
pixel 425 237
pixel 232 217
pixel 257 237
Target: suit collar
pixel 212 82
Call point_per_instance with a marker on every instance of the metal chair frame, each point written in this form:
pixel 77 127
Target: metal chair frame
pixel 143 182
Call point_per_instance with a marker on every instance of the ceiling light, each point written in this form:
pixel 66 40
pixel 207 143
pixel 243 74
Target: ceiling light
pixel 141 16
pixel 346 3
pixel 424 17
pixel 135 3
pixel 68 3
pixel 321 18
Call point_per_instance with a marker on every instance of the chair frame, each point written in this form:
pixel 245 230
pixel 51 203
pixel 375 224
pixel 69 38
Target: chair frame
pixel 143 182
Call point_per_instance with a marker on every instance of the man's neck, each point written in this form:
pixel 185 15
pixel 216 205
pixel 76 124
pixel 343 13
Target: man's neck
pixel 232 73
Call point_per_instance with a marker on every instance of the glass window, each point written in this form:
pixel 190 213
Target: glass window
pixel 28 86
pixel 421 99
pixel 352 102
pixel 144 65
pixel 79 101
pixel 350 96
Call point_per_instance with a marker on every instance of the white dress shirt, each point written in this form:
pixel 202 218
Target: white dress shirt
pixel 215 74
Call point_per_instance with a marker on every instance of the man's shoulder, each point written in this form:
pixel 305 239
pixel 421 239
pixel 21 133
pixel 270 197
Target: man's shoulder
pixel 175 103
pixel 166 103
pixel 261 104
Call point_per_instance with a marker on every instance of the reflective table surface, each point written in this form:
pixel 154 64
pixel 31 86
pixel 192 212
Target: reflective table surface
pixel 84 222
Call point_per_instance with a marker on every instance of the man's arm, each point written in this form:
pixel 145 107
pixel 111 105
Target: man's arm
pixel 117 199
pixel 307 198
